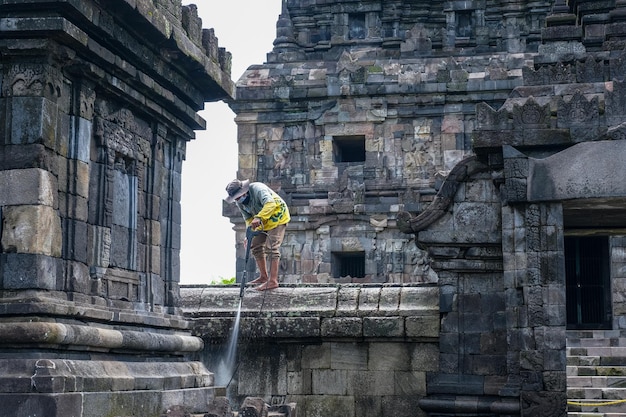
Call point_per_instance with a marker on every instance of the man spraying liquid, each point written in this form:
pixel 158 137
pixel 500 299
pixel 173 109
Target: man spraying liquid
pixel 262 210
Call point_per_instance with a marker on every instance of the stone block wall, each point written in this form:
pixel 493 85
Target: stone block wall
pixel 342 350
pixel 411 135
pixel 97 102
pixel 398 80
pixel 484 132
pixel 617 247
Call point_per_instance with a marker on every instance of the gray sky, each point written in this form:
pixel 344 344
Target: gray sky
pixel 246 28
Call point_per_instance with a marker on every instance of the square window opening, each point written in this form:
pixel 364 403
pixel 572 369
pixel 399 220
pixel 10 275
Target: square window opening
pixel 349 148
pixel 463 20
pixel 348 264
pixel 356 22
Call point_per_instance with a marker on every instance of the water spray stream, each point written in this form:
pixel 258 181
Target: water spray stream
pixel 228 365
pixel 231 353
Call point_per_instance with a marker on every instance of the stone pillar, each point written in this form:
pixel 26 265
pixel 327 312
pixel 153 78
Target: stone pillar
pixel 96 121
pixel 31 238
pixel 534 281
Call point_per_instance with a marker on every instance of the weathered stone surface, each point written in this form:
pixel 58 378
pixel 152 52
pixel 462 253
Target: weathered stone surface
pixel 31 229
pixel 27 187
pixel 33 404
pixel 177 411
pixel 33 120
pixel 328 405
pixel 559 178
pixel 422 326
pixel 219 407
pixel 254 407
pixel 22 271
pixel 383 326
pixel 342 327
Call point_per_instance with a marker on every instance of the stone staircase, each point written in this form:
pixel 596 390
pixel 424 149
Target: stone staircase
pixel 596 373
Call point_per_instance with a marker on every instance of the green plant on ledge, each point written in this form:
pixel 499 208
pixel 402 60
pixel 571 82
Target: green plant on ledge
pixel 223 281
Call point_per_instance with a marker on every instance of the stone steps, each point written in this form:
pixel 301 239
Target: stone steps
pixel 601 407
pixel 593 414
pixel 606 371
pixel 596 374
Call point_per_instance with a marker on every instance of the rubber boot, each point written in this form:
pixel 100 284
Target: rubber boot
pixel 262 265
pixel 273 280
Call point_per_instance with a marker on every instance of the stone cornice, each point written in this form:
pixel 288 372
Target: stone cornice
pixel 79 337
pixel 56 304
pixel 178 73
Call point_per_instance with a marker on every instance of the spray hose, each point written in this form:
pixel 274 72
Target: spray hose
pixel 249 235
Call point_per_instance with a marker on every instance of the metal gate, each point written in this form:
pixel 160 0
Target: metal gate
pixel 587 272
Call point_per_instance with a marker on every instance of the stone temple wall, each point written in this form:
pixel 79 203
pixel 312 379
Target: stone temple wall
pixel 97 102
pixel 360 111
pixel 344 350
pixel 459 144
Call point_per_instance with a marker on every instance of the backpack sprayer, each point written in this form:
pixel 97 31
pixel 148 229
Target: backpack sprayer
pixel 249 235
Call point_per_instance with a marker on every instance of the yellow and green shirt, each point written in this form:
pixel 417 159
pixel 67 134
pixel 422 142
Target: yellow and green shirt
pixel 265 204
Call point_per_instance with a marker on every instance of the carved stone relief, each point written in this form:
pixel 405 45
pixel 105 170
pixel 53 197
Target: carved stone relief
pixel 36 80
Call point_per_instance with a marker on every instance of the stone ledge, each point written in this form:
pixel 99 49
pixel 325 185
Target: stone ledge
pixel 65 375
pixel 315 311
pixel 322 300
pixel 79 336
pixel 73 305
pixel 108 403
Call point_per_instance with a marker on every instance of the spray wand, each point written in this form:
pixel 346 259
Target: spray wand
pixel 249 235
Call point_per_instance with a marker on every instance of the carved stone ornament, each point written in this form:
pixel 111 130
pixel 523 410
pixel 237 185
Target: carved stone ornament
pixel 590 71
pixel 531 115
pixel 489 119
pixel 461 171
pixel 24 80
pixel 122 133
pixel 616 132
pixel 578 111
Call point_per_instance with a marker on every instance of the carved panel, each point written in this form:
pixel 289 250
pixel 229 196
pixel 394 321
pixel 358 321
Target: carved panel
pixel 531 115
pixel 590 71
pixel 25 79
pixel 87 101
pixel 545 404
pixel 122 285
pixel 124 149
pixel 561 74
pixel 489 119
pixel 578 111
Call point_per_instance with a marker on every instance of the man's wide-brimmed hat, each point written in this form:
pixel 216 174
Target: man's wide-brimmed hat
pixel 236 189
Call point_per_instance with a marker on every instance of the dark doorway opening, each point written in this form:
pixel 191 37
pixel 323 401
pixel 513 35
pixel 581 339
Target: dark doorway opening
pixel 587 274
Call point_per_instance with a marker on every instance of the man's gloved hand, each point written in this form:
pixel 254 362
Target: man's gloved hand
pixel 255 223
